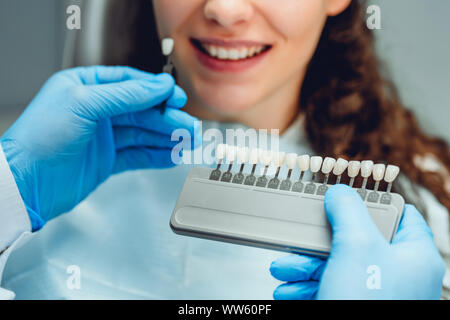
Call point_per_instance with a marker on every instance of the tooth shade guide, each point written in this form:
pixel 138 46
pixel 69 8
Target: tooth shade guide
pixel 278 172
pixel 219 204
pixel 232 155
pixel 339 169
pixel 315 166
pixel 239 177
pixel 269 160
pixel 279 160
pixel 220 155
pixel 251 179
pixel 378 174
pixel 289 174
pixel 275 182
pixel 327 167
pixel 390 175
pixel 304 162
pixel 167 48
pixel 353 170
pixel 265 158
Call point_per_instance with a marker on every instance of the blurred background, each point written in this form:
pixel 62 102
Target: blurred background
pixel 414 42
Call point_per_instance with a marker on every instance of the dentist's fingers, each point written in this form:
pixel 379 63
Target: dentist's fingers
pixel 412 227
pixel 95 75
pixel 178 100
pixel 297 268
pixel 127 137
pixel 349 217
pixel 107 100
pixel 306 290
pixel 142 158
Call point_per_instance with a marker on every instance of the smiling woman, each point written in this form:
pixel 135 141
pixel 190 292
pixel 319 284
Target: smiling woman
pixel 304 67
pixel 313 59
pixel 315 62
pixel 224 87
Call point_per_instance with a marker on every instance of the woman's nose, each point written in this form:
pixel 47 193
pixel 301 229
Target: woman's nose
pixel 228 12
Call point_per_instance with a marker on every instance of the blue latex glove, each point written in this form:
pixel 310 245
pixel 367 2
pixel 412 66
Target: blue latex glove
pixel 362 264
pixel 86 124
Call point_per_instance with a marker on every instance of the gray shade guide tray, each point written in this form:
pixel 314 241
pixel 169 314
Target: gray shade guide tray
pixel 264 217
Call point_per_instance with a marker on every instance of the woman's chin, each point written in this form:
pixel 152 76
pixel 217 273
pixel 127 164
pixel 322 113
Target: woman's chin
pixel 227 101
pixel 227 107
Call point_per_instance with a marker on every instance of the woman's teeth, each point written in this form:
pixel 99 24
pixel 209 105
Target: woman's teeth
pixel 232 54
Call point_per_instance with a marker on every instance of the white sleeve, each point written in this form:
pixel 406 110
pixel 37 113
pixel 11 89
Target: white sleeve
pixel 15 225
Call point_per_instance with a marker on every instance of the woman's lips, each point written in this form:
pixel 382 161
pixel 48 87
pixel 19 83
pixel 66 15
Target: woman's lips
pixel 229 43
pixel 228 65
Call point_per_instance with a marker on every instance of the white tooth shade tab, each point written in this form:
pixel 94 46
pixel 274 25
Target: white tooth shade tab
pixel 328 165
pixel 253 156
pixel 242 155
pixel 391 174
pixel 168 45
pixel 316 164
pixel 378 171
pixel 353 168
pixel 221 151
pixel 340 166
pixel 366 168
pixel 266 157
pixel 304 162
pixel 279 158
pixel 231 153
pixel 291 160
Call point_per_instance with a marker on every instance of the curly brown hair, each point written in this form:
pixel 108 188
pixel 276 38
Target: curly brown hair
pixel 352 109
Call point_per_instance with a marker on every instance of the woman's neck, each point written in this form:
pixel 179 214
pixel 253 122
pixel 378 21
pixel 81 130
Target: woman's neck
pixel 277 111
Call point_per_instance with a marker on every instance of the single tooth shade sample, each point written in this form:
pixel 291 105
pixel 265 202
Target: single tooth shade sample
pixel 221 151
pixel 391 174
pixel 353 168
pixel 340 167
pixel 316 164
pixel 279 158
pixel 304 162
pixel 291 160
pixel 366 168
pixel 378 172
pixel 242 155
pixel 328 165
pixel 167 45
pixel 231 153
pixel 266 157
pixel 253 156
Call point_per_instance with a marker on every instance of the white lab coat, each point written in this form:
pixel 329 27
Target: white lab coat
pixel 120 244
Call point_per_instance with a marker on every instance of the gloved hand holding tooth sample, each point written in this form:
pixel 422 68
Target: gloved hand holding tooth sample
pixel 362 264
pixel 85 125
pixel 167 48
pixel 238 209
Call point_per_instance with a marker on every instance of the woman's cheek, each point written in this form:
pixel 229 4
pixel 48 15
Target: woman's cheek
pixel 171 14
pixel 295 17
pixel 299 26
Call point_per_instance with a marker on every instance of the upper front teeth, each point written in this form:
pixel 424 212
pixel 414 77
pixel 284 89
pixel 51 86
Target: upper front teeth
pixel 232 54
